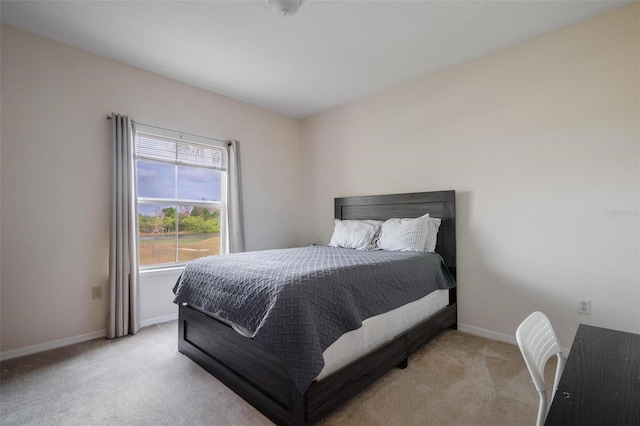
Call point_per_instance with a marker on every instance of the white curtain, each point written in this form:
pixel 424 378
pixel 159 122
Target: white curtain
pixel 235 219
pixel 124 307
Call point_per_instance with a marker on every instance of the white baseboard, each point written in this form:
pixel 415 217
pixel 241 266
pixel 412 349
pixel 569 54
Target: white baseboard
pixel 29 350
pixel 493 335
pixel 158 320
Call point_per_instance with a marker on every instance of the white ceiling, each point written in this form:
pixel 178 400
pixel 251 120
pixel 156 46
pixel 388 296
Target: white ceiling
pixel 326 55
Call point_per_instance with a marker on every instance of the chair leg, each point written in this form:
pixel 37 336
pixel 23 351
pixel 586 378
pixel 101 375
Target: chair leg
pixel 542 409
pixel 559 369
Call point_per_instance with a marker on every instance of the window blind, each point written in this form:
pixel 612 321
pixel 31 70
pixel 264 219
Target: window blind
pixel 173 151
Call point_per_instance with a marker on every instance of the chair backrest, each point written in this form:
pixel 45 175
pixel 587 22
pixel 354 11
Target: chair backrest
pixel 538 342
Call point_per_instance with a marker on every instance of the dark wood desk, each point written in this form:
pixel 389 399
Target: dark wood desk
pixel 600 384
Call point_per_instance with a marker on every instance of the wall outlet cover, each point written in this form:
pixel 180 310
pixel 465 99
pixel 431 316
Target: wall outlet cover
pixel 584 307
pixel 96 292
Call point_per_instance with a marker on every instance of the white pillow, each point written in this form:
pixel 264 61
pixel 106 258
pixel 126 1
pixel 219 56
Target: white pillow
pixel 432 236
pixel 405 234
pixel 355 234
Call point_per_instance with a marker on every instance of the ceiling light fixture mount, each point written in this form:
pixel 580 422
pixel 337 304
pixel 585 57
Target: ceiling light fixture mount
pixel 284 7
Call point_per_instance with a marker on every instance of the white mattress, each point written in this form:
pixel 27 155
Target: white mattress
pixel 375 331
pixel 378 330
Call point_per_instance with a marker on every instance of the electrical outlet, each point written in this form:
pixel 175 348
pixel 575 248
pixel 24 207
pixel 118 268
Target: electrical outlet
pixel 96 292
pixel 584 307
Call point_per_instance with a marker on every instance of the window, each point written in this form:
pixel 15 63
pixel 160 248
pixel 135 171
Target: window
pixel 181 193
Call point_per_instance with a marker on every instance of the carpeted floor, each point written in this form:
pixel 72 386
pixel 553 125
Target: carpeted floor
pixel 457 379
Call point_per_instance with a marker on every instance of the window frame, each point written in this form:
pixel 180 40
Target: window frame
pixel 191 140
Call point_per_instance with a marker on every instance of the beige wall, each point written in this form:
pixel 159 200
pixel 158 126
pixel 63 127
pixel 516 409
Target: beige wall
pixel 541 142
pixel 56 177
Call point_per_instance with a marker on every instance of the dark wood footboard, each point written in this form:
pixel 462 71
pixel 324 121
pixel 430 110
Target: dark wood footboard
pixel 255 374
pixel 242 364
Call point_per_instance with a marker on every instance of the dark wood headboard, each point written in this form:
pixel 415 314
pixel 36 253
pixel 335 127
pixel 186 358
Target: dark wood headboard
pixel 440 204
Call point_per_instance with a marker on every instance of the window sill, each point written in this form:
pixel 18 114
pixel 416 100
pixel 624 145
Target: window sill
pixel 161 271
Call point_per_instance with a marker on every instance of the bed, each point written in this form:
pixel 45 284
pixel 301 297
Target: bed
pixel 258 376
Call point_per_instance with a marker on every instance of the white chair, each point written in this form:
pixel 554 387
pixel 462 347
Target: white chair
pixel 538 342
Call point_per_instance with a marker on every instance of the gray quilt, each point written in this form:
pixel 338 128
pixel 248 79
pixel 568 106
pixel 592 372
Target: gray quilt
pixel 298 301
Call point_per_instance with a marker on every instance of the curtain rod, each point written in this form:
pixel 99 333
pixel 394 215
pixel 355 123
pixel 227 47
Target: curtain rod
pixel 169 130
